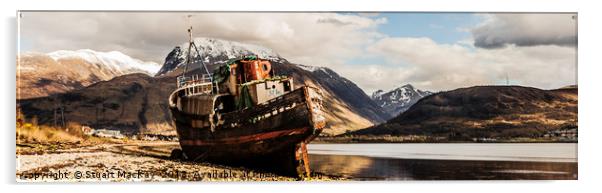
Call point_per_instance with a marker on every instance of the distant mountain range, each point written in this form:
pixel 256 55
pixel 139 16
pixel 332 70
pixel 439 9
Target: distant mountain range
pixel 485 111
pixel 398 100
pixel 112 90
pixel 137 102
pixel 43 74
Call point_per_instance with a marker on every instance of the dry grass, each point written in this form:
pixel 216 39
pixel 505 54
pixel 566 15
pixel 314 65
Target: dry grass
pixel 160 128
pixel 28 131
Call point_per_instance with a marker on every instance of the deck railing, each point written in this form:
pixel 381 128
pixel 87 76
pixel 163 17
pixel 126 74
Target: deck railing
pixel 193 79
pixel 195 84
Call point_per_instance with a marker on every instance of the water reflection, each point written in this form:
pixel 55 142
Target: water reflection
pixel 370 168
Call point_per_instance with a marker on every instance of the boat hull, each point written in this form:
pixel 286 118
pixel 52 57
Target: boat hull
pixel 270 137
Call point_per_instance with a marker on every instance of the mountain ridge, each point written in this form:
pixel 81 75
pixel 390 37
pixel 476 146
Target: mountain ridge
pixel 113 60
pixel 44 74
pixel 213 51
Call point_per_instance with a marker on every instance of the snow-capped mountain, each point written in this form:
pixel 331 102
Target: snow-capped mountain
pixel 213 51
pixel 42 74
pixel 399 99
pixel 114 61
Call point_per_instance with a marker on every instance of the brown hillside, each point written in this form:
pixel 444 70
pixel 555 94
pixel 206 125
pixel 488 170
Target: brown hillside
pixel 131 103
pixel 486 111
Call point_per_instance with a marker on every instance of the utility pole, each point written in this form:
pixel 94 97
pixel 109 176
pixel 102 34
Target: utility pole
pixel 63 116
pixel 54 117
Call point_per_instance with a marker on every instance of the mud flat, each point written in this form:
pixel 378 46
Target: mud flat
pixel 127 162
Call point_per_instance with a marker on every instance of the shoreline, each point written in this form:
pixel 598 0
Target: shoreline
pixel 132 161
pixel 402 139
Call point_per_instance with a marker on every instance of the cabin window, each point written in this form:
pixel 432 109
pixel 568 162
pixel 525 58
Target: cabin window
pixel 287 86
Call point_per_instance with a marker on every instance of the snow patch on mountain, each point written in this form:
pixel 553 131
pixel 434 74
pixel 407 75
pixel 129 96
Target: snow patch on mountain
pixel 313 68
pixel 114 61
pixel 308 68
pixel 377 94
pixel 217 47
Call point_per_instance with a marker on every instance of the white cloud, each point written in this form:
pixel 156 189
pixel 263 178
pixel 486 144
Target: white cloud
pixel 324 39
pixel 499 30
pixel 433 66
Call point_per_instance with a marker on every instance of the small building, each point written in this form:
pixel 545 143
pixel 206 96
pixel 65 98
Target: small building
pixel 116 134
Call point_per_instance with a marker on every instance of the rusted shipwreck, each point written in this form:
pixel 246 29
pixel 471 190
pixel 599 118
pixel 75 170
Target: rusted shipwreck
pixel 242 114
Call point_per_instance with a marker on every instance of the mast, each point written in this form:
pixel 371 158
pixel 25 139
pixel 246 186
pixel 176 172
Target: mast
pixel 190 46
pixel 189 49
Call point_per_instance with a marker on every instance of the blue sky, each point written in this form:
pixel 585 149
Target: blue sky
pixel 443 28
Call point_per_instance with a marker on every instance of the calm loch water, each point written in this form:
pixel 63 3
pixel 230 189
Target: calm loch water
pixel 468 161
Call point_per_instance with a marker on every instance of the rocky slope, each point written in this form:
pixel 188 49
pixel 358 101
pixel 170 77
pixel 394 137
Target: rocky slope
pixel 486 111
pixel 348 108
pixel 41 74
pixel 398 100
